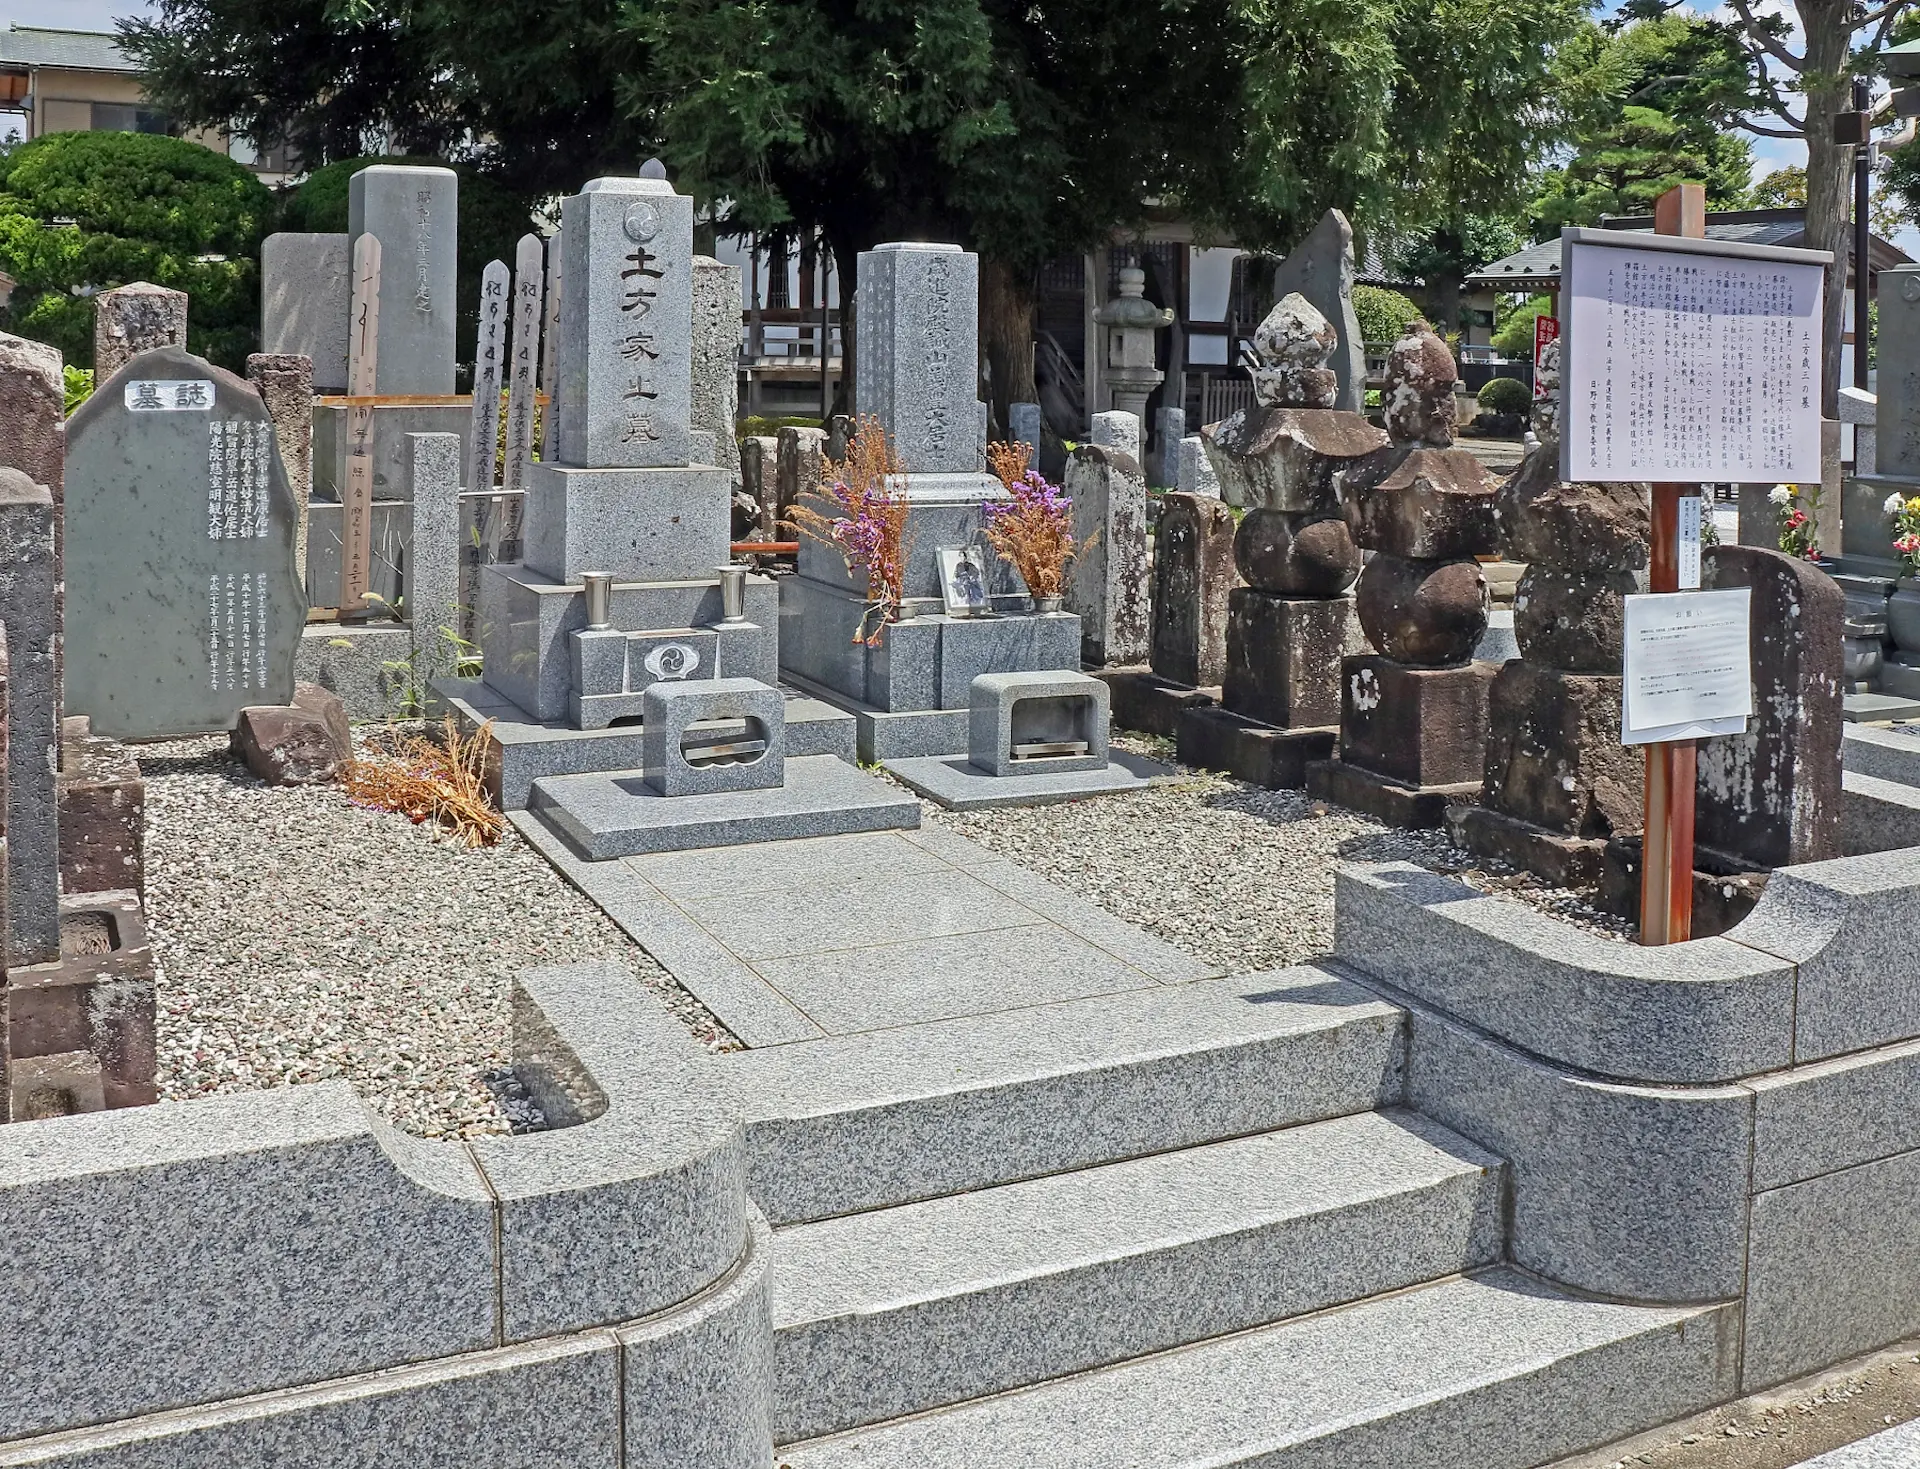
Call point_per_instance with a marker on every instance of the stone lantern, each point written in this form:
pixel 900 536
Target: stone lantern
pixel 1130 321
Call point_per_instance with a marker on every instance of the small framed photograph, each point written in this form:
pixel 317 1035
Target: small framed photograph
pixel 963 580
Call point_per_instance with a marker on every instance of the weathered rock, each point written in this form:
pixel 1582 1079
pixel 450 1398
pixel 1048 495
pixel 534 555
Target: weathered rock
pixel 302 743
pixel 1296 555
pixel 1554 757
pixel 1286 458
pixel 1107 581
pixel 1422 726
pixel 1573 620
pixel 285 385
pixel 1430 613
pixel 1416 399
pixel 1426 503
pixel 1577 527
pixel 1192 574
pixel 1322 269
pixel 103 804
pixel 132 319
pixel 1283 657
pixel 1293 345
pixel 1771 796
pixel 800 456
pixel 760 478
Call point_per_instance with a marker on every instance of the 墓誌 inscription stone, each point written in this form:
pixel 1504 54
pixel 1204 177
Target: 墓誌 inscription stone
pixel 182 603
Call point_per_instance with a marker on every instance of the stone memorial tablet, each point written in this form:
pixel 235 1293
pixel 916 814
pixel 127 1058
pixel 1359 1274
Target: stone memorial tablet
pixel 182 602
pixel 1687 359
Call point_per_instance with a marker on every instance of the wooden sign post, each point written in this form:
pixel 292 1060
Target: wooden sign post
pixel 1701 359
pixel 490 355
pixel 523 363
pixel 356 500
pixel 1666 868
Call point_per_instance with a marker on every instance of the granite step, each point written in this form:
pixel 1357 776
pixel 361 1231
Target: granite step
pixel 895 1311
pixel 1490 1371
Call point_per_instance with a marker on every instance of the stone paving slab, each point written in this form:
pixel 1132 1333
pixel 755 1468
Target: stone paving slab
pixel 795 940
pixel 956 783
pixel 1897 1448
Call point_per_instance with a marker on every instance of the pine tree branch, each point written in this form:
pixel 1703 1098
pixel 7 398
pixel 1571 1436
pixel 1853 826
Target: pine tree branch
pixel 1757 36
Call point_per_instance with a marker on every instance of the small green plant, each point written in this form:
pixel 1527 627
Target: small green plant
pixel 78 385
pixel 1504 395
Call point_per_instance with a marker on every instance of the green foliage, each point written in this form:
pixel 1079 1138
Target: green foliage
pixel 1514 338
pixel 1505 395
pixel 492 220
pixel 1683 85
pixel 760 425
pixel 78 383
pixel 95 210
pixel 1383 314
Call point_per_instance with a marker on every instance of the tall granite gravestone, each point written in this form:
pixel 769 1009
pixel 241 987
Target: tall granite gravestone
pixel 304 284
pixel 33 439
pixel 1771 796
pixel 1193 473
pixel 1118 430
pixel 182 603
pixel 716 359
pixel 917 373
pixel 432 602
pixel 1107 582
pixel 413 212
pixel 1321 268
pixel 1413 713
pixel 1287 629
pixel 1023 426
pixel 801 461
pixel 132 319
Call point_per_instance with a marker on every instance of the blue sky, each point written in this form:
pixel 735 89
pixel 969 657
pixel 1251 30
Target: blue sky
pixel 72 15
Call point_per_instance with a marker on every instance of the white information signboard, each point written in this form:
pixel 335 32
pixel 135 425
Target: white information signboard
pixel 1689 360
pixel 1689 672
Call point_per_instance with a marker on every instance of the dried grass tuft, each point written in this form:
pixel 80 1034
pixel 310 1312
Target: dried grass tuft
pixel 427 779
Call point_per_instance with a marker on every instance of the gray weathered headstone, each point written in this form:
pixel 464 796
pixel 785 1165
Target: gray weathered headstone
pixel 1193 574
pixel 1023 424
pixel 33 720
pixel 135 318
pixel 716 359
pixel 1860 408
pixel 489 368
pixel 1163 460
pixel 1771 796
pixel 33 436
pixel 1107 582
pixel 1897 382
pixel 523 361
pixel 304 283
pixel 1117 430
pixel 626 381
pixel 285 384
pixel 916 369
pixel 182 603
pixel 433 568
pixel 760 477
pixel 1197 475
pixel 801 459
pixel 1321 268
pixel 414 213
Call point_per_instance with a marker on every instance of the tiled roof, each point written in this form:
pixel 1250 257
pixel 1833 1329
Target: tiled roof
pixel 1538 265
pixel 76 50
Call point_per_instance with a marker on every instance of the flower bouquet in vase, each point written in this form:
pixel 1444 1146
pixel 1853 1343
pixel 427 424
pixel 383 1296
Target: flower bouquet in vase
pixel 868 525
pixel 1033 531
pixel 1796 506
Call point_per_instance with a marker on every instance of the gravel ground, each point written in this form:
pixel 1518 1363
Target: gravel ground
pixel 300 937
pixel 1240 876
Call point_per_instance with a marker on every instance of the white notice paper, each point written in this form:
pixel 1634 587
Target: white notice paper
pixel 1689 671
pixel 1689 365
pixel 1688 557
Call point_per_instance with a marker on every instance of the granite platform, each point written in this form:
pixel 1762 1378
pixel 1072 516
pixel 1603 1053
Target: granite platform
pixel 605 815
pixel 955 782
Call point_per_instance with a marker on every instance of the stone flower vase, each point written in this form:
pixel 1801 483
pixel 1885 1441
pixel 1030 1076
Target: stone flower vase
pixel 1047 604
pixel 1903 615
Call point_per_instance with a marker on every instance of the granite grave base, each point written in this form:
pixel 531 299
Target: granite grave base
pixel 525 749
pixel 1145 702
pixel 1563 861
pixel 603 816
pixel 1261 754
pixel 1386 799
pixel 958 784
